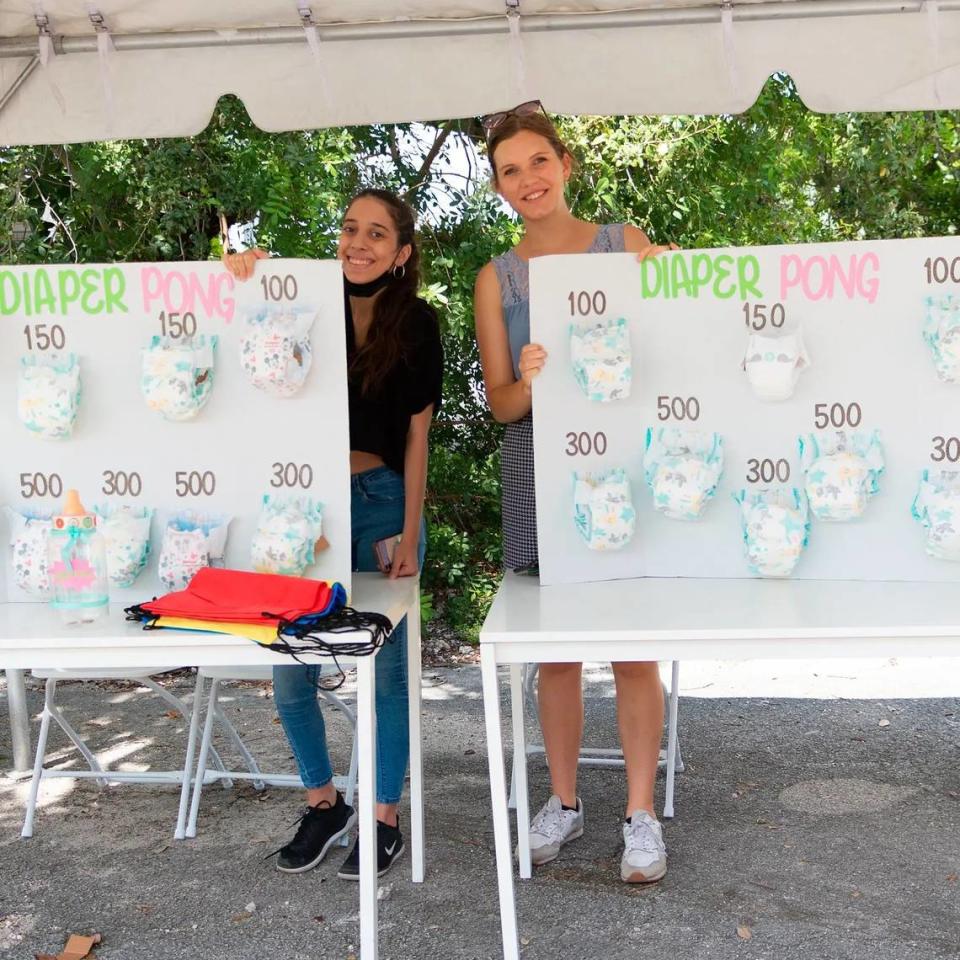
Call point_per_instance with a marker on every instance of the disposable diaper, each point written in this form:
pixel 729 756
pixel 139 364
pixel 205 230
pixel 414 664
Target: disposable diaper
pixel 601 358
pixel 29 532
pixel 682 469
pixel 776 529
pixel 773 364
pixel 842 472
pixel 191 541
pixel 48 394
pixel 275 351
pixel 937 507
pixel 941 330
pixel 178 375
pixel 287 531
pixel 126 535
pixel 603 509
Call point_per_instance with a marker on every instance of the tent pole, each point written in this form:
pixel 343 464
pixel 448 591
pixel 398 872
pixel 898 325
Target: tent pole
pixel 20 80
pixel 427 29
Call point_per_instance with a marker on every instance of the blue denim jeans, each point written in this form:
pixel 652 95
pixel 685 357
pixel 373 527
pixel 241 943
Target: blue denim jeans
pixel 376 512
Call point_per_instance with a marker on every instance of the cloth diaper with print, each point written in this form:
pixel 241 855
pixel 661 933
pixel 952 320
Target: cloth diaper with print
pixel 275 351
pixel 177 375
pixel 29 534
pixel 937 507
pixel 773 364
pixel 126 536
pixel 48 394
pixel 842 472
pixel 601 358
pixel 776 528
pixel 941 331
pixel 603 509
pixel 682 469
pixel 286 534
pixel 191 541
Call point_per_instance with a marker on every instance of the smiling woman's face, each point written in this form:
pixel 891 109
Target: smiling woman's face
pixel 369 245
pixel 530 175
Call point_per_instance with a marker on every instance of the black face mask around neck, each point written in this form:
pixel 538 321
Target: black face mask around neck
pixel 364 290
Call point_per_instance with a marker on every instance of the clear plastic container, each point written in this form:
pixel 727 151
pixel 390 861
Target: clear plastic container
pixel 77 564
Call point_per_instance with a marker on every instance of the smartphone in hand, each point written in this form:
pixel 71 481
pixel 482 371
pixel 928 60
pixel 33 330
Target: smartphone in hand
pixel 383 552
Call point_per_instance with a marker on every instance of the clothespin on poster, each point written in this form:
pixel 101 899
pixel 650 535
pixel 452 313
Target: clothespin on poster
pixel 729 46
pixel 313 41
pixel 104 49
pixel 932 9
pixel 518 60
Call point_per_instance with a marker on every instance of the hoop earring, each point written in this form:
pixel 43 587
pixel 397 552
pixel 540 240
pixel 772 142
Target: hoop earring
pixel 401 274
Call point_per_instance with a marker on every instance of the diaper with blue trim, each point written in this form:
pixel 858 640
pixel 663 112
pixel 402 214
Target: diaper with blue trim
pixel 48 394
pixel 937 507
pixel 776 529
pixel 682 469
pixel 191 541
pixel 601 358
pixel 603 509
pixel 941 331
pixel 126 537
pixel 29 533
pixel 842 472
pixel 177 375
pixel 773 365
pixel 275 350
pixel 286 535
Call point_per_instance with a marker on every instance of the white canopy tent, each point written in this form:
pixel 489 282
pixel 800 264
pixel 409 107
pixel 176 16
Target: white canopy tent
pixel 72 70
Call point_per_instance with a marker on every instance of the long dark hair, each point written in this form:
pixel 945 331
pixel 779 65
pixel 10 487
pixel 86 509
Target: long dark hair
pixel 384 347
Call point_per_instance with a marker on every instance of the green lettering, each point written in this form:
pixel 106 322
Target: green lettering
pixel 702 272
pixel 9 293
pixel 88 280
pixel 748 284
pixel 114 285
pixel 647 286
pixel 680 277
pixel 68 288
pixel 721 267
pixel 43 298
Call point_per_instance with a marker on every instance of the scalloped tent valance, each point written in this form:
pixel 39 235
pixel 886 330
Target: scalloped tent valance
pixel 130 68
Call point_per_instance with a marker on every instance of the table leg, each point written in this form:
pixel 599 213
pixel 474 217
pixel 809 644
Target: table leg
pixel 19 719
pixel 520 770
pixel 672 741
pixel 414 686
pixel 498 797
pixel 366 782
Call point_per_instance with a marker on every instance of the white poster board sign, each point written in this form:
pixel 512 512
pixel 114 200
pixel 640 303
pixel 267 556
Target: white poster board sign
pixel 860 308
pixel 244 443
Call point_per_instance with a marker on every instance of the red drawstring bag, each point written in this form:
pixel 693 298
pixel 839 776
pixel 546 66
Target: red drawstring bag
pixel 236 596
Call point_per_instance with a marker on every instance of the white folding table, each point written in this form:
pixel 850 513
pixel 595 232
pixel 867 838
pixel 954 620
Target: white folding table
pixel 32 636
pixel 685 619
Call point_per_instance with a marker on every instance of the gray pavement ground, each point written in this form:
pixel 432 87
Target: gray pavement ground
pixel 807 826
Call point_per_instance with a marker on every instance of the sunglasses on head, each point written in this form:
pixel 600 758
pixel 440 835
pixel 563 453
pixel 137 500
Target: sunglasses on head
pixel 493 120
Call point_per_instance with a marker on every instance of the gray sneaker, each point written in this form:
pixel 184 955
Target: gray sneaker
pixel 644 856
pixel 551 828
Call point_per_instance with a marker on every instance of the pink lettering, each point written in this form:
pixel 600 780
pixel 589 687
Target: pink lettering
pixel 819 277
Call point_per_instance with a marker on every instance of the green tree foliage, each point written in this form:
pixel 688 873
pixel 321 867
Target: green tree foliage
pixel 775 174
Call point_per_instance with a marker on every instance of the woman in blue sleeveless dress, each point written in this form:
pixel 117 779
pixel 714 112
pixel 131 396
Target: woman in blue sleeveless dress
pixel 531 166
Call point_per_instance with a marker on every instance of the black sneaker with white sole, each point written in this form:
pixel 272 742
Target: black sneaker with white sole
pixel 319 829
pixel 389 847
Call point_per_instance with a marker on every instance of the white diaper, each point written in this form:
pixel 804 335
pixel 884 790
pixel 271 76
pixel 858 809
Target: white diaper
pixel 286 534
pixel 682 469
pixel 126 535
pixel 842 472
pixel 178 375
pixel 941 331
pixel 601 358
pixel 29 534
pixel 776 529
pixel 275 351
pixel 773 364
pixel 48 394
pixel 191 541
pixel 937 507
pixel 603 509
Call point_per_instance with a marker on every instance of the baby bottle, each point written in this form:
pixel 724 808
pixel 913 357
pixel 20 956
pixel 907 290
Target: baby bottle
pixel 77 564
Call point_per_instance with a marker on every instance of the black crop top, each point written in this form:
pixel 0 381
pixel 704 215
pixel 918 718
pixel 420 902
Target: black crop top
pixel 380 420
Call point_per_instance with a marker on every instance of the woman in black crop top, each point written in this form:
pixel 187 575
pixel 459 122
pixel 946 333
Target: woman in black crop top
pixel 394 376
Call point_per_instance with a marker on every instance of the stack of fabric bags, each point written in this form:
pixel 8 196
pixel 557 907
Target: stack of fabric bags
pixel 289 614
